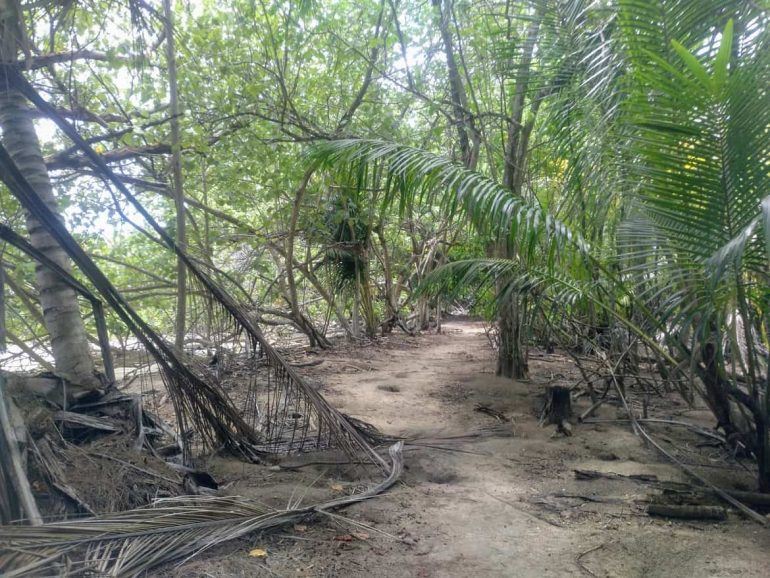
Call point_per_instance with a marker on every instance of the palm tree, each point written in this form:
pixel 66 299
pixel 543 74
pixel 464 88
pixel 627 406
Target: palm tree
pixel 699 218
pixel 690 145
pixel 59 302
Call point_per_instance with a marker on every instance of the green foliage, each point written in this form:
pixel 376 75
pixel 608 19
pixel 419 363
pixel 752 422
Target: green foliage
pixel 414 176
pixel 644 197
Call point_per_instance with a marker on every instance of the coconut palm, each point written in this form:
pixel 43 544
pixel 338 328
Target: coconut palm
pixel 699 216
pixel 61 312
pixel 685 131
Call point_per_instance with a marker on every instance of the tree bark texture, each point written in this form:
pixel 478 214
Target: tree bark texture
pixel 61 312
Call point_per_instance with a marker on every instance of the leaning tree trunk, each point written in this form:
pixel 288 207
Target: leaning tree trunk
pixel 59 302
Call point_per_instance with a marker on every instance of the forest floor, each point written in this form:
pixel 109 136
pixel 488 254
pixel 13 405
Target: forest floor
pixel 506 505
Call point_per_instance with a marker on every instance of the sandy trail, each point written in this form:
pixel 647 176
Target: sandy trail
pixel 510 508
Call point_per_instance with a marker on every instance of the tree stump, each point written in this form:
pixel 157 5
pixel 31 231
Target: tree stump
pixel 558 408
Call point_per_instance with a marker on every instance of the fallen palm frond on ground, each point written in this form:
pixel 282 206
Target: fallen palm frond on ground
pixel 135 541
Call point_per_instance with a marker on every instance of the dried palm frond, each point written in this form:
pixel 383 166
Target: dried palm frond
pixel 267 423
pixel 132 542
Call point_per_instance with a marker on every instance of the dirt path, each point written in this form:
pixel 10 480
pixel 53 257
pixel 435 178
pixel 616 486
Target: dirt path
pixel 510 508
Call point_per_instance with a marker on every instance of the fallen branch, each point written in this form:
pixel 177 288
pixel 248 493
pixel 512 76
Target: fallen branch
pixel 594 475
pixel 308 363
pixel 485 409
pixel 587 413
pixel 523 511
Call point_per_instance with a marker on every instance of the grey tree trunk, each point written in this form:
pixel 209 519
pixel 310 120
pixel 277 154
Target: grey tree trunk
pixel 61 313
pixel 176 171
pixel 469 137
pixel 511 356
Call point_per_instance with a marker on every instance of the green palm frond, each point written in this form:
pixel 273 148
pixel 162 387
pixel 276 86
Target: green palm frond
pixel 737 254
pixel 415 175
pixel 505 278
pixel 702 146
pixel 651 26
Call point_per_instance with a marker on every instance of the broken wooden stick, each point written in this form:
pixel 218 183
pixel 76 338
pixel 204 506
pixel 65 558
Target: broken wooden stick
pixel 589 412
pixel 12 463
pixel 485 409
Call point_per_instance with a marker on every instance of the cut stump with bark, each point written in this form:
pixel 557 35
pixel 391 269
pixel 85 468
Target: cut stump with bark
pixel 558 408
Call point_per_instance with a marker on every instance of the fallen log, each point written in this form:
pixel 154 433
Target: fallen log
pixel 687 512
pixel 688 492
pixel 752 498
pixel 595 475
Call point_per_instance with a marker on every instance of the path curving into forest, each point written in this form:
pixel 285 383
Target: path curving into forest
pixel 502 506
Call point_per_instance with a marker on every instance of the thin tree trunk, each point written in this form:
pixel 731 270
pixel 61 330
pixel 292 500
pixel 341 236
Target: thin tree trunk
pixel 207 252
pixel 313 279
pixel 356 320
pixel 176 171
pixel 513 153
pixel 512 361
pixel 302 321
pixel 365 293
pixel 469 137
pixel 2 305
pixel 58 301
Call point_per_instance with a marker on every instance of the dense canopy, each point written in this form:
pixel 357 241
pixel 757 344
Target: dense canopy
pixel 588 175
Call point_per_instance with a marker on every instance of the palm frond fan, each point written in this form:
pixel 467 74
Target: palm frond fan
pixel 346 241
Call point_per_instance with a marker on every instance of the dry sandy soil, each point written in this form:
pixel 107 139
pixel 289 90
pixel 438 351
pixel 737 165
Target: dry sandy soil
pixel 505 505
